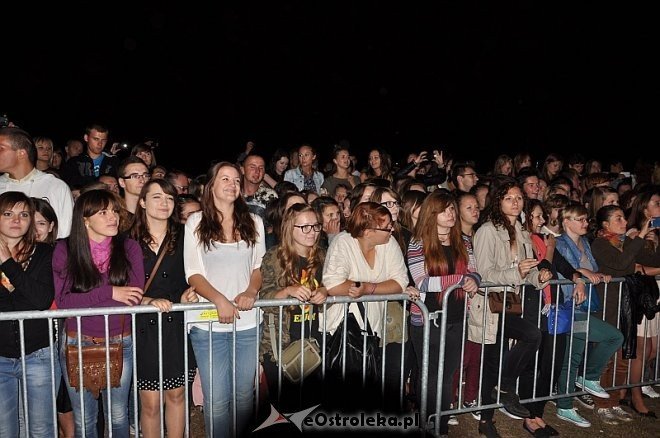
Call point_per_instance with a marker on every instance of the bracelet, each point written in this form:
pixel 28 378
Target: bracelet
pixel 578 280
pixel 373 289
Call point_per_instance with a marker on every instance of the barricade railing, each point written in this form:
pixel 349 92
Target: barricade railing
pixel 616 283
pixel 53 315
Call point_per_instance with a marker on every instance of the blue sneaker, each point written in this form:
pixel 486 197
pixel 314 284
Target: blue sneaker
pixel 572 416
pixel 592 387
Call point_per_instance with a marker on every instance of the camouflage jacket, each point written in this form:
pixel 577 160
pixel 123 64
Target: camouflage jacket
pixel 270 272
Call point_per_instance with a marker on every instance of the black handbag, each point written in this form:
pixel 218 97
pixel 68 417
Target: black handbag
pixel 355 346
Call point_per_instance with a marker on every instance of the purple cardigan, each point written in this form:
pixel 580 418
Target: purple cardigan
pixel 98 297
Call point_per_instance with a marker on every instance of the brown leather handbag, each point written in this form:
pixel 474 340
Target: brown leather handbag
pixel 94 366
pixel 513 305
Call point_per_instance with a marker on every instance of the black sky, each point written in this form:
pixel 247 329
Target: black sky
pixel 477 79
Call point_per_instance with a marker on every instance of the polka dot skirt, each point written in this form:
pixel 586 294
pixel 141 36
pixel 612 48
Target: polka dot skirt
pixel 154 385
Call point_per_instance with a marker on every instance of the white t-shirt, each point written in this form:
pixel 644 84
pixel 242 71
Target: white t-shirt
pixel 345 261
pixel 227 267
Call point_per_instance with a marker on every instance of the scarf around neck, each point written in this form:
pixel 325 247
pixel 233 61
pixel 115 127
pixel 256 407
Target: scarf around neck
pixel 101 252
pixel 616 240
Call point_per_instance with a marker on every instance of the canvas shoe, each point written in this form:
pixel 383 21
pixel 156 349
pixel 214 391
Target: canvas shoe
pixel 470 404
pixel 621 414
pixel 650 392
pixel 586 401
pixel 572 416
pixel 607 416
pixel 592 387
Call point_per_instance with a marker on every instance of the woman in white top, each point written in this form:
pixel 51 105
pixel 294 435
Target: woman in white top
pixel 363 260
pixel 365 254
pixel 223 248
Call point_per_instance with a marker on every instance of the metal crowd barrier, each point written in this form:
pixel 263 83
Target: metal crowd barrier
pixel 53 315
pixel 615 283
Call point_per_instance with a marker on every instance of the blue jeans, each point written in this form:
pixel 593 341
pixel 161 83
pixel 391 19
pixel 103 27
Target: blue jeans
pixel 119 408
pixel 40 392
pixel 218 411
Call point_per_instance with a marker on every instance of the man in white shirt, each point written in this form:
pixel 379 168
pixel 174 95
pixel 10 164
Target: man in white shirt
pixel 18 155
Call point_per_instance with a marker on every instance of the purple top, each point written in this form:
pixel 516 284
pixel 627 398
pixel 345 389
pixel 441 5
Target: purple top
pixel 98 297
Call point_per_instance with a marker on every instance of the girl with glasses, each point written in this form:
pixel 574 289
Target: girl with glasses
pixel 292 269
pixel 604 337
pixel 363 260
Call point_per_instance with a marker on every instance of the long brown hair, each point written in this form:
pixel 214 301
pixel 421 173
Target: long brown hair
pixel 140 228
pixel 210 227
pixel 426 231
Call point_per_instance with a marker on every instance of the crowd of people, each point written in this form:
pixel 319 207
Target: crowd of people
pixel 94 226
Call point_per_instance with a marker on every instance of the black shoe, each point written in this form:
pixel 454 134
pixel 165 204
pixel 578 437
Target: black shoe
pixel 540 432
pixel 649 414
pixel 551 430
pixel 511 403
pixel 487 428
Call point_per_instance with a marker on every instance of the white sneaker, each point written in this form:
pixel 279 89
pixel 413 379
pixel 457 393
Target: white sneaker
pixel 650 392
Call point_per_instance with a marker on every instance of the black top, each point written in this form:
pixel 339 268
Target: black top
pixel 79 170
pixel 33 290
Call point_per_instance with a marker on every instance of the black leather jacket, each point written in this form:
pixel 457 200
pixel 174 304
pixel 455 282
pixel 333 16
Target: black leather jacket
pixel 639 297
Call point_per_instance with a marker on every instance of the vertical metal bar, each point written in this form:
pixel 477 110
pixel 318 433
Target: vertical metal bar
pixel 136 415
pixel 210 382
pixel 108 386
pixel 53 351
pixel 26 413
pixel 382 363
pixel 234 410
pixel 186 364
pixel 279 354
pixel 160 375
pixel 425 366
pixel 404 325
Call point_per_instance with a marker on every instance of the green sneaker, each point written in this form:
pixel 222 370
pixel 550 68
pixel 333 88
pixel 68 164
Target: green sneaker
pixel 572 416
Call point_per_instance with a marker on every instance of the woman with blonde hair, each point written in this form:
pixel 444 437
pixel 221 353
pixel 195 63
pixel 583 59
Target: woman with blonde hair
pixel 292 269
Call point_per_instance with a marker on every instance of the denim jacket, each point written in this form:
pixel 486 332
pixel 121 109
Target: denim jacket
pixel 296 176
pixel 569 250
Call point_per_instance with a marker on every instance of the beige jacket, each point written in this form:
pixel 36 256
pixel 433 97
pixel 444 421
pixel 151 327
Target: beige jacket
pixel 495 264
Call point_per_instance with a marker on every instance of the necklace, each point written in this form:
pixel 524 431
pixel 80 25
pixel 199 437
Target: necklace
pixel 156 240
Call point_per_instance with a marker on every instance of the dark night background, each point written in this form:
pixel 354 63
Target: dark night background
pixel 476 79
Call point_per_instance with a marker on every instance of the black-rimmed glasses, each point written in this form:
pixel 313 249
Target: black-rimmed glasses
pixel 390 204
pixel 144 176
pixel 307 228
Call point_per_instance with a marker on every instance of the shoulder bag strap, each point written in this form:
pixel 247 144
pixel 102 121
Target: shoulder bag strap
pixel 161 255
pixel 271 330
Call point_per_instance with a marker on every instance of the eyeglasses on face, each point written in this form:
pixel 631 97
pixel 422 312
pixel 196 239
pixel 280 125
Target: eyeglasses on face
pixel 468 174
pixel 182 188
pixel 307 228
pixel 144 176
pixel 388 228
pixel 579 219
pixel 390 204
